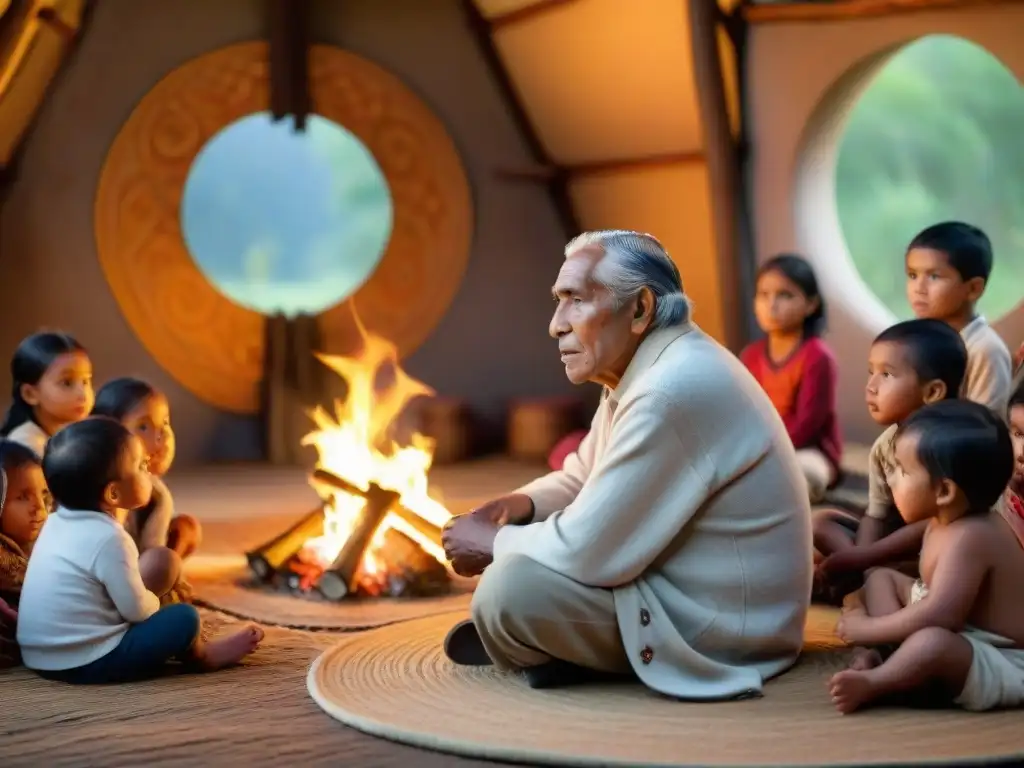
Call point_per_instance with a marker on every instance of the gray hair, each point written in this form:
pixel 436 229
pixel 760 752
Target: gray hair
pixel 636 260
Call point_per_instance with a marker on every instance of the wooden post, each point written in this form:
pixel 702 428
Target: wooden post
pixel 289 40
pixel 733 242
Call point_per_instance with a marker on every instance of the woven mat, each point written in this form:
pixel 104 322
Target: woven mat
pixel 226 587
pixel 257 714
pixel 395 683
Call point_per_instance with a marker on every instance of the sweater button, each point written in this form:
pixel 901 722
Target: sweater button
pixel 645 617
pixel 647 654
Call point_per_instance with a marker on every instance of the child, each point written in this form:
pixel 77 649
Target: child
pixel 1013 500
pixel 911 364
pixel 51 379
pixel 145 412
pixel 948 266
pixel 960 625
pixel 24 504
pixel 796 368
pixel 86 616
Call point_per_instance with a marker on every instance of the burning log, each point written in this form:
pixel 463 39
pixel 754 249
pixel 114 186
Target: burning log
pixel 266 560
pixel 424 527
pixel 341 578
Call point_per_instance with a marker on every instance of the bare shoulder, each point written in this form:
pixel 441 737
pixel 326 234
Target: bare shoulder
pixel 968 538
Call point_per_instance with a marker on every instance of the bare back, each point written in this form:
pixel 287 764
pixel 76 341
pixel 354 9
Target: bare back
pixel 997 605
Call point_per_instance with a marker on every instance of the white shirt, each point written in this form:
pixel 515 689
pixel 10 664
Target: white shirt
pixel 82 591
pixel 32 436
pixel 989 373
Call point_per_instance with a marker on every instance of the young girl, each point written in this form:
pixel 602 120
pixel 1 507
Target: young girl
pixel 154 528
pixel 51 378
pixel 796 368
pixel 24 505
pixel 1013 499
pixel 86 616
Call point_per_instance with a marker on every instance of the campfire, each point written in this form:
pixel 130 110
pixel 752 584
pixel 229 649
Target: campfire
pixel 377 530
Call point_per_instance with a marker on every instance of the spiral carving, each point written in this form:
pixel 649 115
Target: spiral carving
pixel 209 344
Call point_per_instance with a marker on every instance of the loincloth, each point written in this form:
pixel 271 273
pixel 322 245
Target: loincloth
pixel 996 677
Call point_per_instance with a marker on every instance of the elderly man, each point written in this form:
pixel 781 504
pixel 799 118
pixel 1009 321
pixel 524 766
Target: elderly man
pixel 676 543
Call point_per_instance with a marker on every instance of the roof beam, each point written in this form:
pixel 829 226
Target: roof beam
pixel 557 184
pixel 539 8
pixel 855 9
pixel 545 173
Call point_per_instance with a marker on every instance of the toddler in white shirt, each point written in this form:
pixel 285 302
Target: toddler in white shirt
pixel 86 616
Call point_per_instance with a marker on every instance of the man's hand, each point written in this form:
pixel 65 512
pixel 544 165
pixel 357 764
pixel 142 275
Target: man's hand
pixel 468 542
pixel 513 509
pixel 847 560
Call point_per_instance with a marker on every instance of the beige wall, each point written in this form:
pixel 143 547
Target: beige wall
pixel 493 343
pixel 792 71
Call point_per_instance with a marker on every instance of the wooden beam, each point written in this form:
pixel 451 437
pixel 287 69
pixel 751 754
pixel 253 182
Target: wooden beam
pixel 855 9
pixel 600 167
pixel 557 185
pixel 725 180
pixel 539 8
pixel 289 39
pixel 48 15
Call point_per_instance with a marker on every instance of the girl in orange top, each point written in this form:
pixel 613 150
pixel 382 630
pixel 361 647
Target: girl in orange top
pixel 796 368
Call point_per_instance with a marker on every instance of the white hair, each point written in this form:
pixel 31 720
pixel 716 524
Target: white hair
pixel 632 261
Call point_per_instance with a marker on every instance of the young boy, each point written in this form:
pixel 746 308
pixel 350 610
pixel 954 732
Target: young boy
pixel 24 505
pixel 86 616
pixel 960 625
pixel 911 364
pixel 948 266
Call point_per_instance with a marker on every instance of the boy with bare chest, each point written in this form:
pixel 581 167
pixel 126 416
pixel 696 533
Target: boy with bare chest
pixel 960 624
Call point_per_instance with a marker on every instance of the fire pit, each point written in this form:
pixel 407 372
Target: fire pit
pixel 377 530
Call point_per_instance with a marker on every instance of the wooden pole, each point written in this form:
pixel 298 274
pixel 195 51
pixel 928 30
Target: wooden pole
pixel 856 9
pixel 289 40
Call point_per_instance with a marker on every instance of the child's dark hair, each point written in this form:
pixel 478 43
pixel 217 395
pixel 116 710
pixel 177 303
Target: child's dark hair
pixel 13 456
pixel 967 443
pixel 119 397
pixel 1017 395
pixel 967 248
pixel 797 270
pixel 31 359
pixel 82 459
pixel 934 349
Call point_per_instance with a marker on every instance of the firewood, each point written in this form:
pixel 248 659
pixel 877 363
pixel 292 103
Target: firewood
pixel 339 579
pixel 264 561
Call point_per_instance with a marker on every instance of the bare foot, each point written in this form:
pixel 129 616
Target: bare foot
pixel 225 651
pixel 864 659
pixel 851 689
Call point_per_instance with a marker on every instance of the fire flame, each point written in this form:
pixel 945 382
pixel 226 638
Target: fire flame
pixel 355 443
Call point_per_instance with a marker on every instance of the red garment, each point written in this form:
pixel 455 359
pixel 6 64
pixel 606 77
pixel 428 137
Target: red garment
pixel 1015 503
pixel 803 390
pixel 567 445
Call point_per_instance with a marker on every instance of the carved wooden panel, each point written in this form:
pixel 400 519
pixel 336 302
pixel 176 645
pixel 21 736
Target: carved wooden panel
pixel 211 345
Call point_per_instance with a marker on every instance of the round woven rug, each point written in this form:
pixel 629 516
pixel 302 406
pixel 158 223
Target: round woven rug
pixel 395 683
pixel 224 584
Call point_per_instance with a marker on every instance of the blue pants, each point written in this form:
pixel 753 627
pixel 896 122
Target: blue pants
pixel 143 652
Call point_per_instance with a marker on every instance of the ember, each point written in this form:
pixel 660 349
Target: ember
pixel 378 531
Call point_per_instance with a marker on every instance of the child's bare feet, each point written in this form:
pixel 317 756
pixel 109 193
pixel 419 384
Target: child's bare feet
pixel 225 651
pixel 865 658
pixel 851 689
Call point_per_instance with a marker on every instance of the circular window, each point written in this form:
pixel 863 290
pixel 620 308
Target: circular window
pixel 935 136
pixel 286 221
